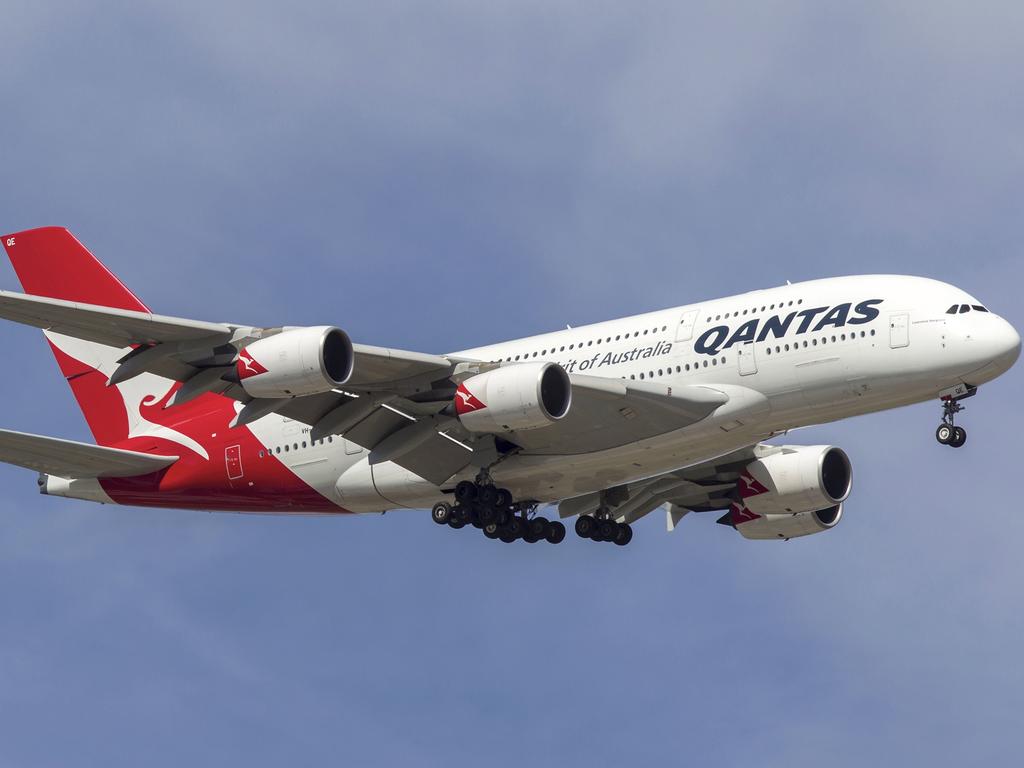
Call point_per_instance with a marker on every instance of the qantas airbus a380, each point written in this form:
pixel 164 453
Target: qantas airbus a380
pixel 610 421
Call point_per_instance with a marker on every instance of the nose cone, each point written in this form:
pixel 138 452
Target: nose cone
pixel 993 349
pixel 1009 344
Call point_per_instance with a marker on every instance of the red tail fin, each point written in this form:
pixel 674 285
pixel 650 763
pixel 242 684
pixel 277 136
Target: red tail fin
pixel 51 262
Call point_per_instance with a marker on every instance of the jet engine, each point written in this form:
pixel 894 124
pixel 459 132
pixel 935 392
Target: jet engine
pixel 295 362
pixel 785 526
pixel 796 492
pixel 796 480
pixel 516 397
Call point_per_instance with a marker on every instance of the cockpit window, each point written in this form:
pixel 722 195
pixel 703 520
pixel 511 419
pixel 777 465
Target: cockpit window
pixel 978 307
pixel 965 308
pixel 952 310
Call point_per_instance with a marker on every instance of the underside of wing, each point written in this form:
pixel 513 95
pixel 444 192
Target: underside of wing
pixel 608 413
pixel 702 487
pixel 74 460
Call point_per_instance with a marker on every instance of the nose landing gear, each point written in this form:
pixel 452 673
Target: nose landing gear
pixel 493 511
pixel 948 433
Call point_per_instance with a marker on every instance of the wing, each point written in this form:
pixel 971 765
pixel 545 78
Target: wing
pixel 105 325
pixel 396 403
pixel 703 487
pixel 73 460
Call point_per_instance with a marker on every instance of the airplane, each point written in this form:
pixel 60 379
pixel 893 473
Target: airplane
pixel 665 410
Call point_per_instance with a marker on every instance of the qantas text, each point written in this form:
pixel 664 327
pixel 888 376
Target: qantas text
pixel 720 337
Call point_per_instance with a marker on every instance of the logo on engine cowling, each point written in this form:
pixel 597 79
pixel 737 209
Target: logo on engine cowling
pixel 466 401
pixel 749 486
pixel 247 366
pixel 739 514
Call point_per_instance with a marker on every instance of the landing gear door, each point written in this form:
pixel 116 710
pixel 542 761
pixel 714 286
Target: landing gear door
pixel 684 331
pixel 899 330
pixel 745 355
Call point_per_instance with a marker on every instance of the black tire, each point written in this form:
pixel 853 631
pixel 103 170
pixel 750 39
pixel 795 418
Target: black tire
pixel 456 523
pixel 503 517
pixel 465 492
pixel 441 513
pixel 507 537
pixel 537 529
pixel 606 530
pixel 623 535
pixel 514 527
pixel 492 531
pixel 944 434
pixel 486 515
pixel 585 526
pixel 959 437
pixel 488 495
pixel 556 532
pixel 503 498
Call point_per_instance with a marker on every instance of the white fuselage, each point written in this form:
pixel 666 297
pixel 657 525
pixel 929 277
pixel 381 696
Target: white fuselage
pixel 788 357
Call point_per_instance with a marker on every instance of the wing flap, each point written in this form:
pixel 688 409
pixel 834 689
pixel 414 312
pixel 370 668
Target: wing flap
pixel 75 460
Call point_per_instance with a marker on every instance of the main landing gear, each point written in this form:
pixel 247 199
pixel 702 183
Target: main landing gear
pixel 493 511
pixel 601 527
pixel 948 433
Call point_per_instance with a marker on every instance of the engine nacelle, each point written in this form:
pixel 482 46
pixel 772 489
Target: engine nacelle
pixel 799 479
pixel 514 398
pixel 296 362
pixel 786 526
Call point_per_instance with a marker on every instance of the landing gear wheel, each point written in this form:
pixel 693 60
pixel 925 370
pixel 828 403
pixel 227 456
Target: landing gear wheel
pixel 492 531
pixel 623 535
pixel 514 528
pixel 465 492
pixel 606 530
pixel 486 514
pixel 502 498
pixel 556 532
pixel 959 437
pixel 456 523
pixel 585 526
pixel 441 513
pixel 536 529
pixel 487 495
pixel 944 434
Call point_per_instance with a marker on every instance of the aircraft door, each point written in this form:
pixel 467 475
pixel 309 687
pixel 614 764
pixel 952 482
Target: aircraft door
pixel 747 361
pixel 684 331
pixel 233 461
pixel 899 330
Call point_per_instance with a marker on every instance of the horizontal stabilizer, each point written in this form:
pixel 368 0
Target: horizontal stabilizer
pixel 73 460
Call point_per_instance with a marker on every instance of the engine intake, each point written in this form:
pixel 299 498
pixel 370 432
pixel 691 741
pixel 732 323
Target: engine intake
pixel 295 362
pixel 514 398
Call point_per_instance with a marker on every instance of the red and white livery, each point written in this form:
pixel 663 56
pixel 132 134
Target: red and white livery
pixel 668 409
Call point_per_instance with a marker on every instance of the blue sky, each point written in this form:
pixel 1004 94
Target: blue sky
pixel 437 176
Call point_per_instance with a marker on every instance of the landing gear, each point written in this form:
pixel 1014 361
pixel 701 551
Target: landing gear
pixel 948 433
pixel 494 511
pixel 441 513
pixel 601 527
